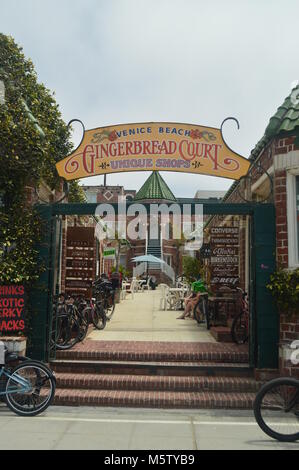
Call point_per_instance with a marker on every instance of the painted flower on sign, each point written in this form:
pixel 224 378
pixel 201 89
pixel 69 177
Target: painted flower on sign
pixel 112 136
pixel 195 134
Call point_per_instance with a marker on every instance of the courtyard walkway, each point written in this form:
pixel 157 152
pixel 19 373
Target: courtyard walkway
pixel 140 319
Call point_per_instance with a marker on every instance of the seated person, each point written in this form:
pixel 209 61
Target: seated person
pixel 144 279
pixel 153 282
pixel 190 303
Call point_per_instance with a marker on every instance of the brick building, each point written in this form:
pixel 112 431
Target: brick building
pixel 154 191
pixel 274 177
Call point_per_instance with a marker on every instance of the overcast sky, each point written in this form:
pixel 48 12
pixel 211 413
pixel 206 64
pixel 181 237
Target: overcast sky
pixel 192 61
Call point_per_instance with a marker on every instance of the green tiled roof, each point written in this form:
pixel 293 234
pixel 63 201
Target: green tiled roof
pixel 155 188
pixel 286 119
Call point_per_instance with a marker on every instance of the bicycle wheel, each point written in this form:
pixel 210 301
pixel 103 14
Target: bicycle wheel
pixel 68 332
pixel 109 306
pixel 98 317
pixel 206 312
pixel 276 409
pixel 83 320
pixel 201 313
pixel 198 313
pixel 30 389
pixel 239 331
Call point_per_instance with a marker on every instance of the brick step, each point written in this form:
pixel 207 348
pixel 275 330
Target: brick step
pixel 221 333
pixel 204 368
pixel 156 383
pixel 154 399
pixel 232 354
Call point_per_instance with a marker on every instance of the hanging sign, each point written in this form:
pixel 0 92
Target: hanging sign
pixel 205 251
pixel 109 253
pixel 224 267
pixel 153 146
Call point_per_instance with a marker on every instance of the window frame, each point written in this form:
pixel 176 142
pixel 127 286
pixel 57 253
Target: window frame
pixel 292 225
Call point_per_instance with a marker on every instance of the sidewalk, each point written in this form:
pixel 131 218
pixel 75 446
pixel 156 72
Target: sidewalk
pixel 140 319
pixel 89 428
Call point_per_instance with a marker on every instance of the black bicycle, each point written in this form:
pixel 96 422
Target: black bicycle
pixel 276 409
pixel 67 327
pixel 105 296
pixel 201 310
pixel 240 325
pixel 96 314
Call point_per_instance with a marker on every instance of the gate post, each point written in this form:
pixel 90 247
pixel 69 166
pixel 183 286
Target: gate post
pixel 266 316
pixel 41 293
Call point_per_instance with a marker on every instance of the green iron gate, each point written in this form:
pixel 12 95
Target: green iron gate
pixel 264 326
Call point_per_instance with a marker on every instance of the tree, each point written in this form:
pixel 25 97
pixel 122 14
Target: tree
pixel 118 243
pixel 178 243
pixel 26 156
pixel 192 268
pixel 33 137
pixel 76 193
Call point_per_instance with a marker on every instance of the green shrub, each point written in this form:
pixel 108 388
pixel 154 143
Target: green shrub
pixel 284 287
pixel 191 268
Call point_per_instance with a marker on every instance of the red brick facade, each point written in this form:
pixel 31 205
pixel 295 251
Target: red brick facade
pixel 274 159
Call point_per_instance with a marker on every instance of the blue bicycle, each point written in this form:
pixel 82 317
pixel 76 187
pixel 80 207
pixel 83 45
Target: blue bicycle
pixel 28 388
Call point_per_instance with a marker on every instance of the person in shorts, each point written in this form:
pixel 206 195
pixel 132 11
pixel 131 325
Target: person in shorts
pixel 198 288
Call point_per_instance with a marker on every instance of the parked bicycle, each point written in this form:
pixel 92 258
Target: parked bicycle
pixel 71 319
pixel 201 310
pixel 276 409
pixel 105 296
pixel 96 314
pixel 28 388
pixel 240 325
pixel 66 326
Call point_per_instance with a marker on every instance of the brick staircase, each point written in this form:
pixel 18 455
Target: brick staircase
pixel 158 375
pixel 221 333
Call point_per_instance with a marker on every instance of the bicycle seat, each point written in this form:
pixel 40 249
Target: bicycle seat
pixel 10 357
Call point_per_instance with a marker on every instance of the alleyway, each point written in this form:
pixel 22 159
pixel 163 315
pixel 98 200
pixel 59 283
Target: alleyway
pixel 140 319
pixel 146 357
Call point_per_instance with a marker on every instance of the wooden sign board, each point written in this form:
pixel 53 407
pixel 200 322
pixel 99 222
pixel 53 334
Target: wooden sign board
pixel 224 261
pixel 80 261
pixel 153 146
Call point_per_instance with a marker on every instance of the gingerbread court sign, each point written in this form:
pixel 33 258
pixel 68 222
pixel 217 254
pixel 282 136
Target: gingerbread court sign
pixel 153 146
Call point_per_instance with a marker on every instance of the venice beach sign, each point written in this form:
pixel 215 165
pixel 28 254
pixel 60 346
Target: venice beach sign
pixel 153 146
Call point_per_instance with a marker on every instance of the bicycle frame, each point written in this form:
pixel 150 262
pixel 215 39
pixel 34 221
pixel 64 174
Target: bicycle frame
pixel 25 384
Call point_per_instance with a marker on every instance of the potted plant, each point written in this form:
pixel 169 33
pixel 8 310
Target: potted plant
pixel 284 286
pixel 15 344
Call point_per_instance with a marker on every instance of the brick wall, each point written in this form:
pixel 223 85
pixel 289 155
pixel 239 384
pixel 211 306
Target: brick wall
pixel 289 327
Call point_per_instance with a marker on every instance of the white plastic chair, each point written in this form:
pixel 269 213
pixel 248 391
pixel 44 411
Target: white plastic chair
pixel 163 298
pixel 147 285
pixel 124 291
pixel 133 287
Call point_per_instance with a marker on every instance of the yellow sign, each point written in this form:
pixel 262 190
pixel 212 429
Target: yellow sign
pixel 153 146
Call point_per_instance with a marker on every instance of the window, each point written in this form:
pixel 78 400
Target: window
pixel 91 197
pixel 297 214
pixel 293 217
pixel 168 259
